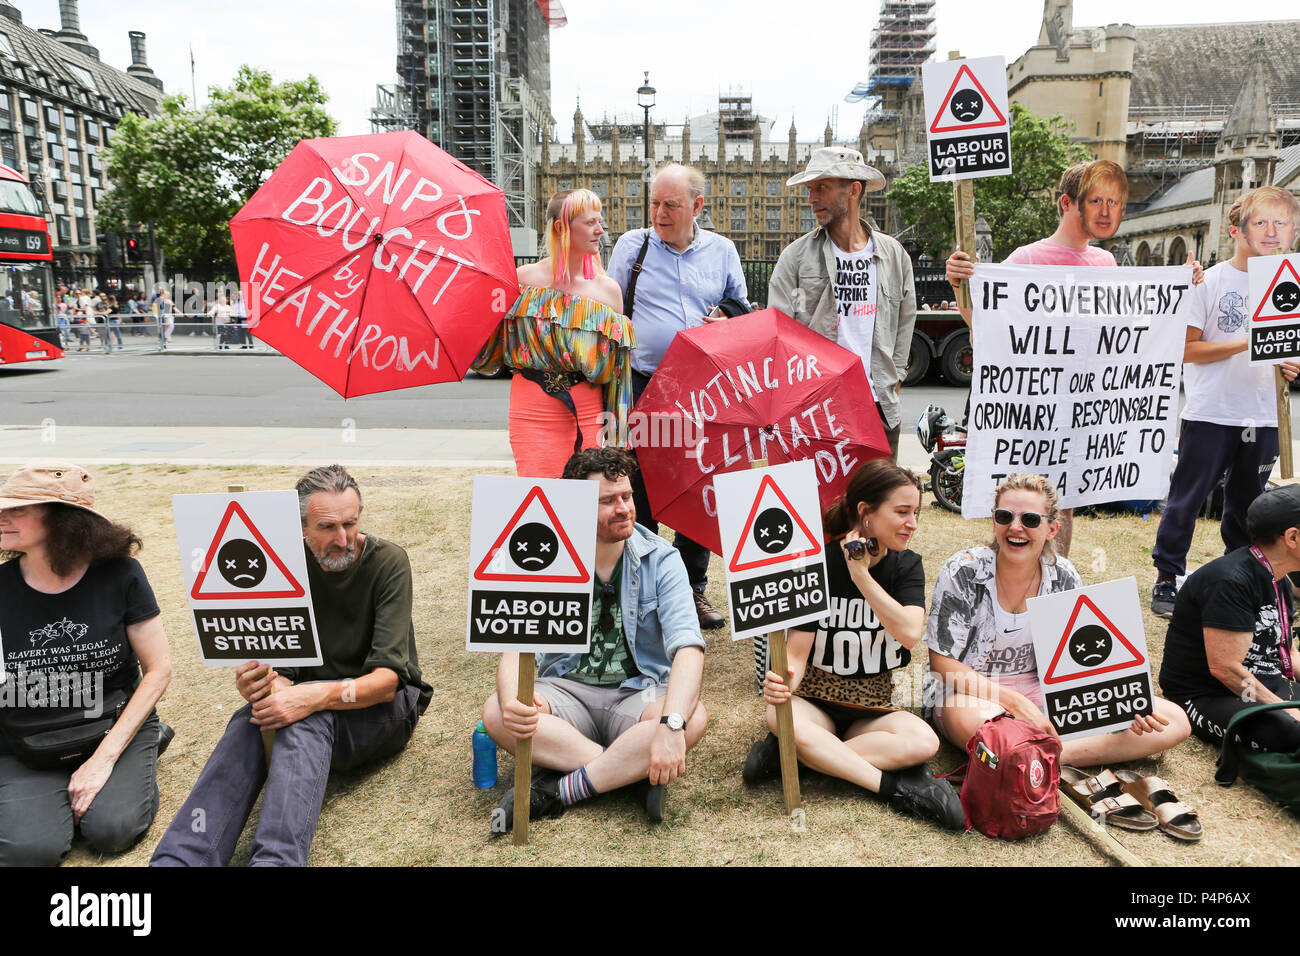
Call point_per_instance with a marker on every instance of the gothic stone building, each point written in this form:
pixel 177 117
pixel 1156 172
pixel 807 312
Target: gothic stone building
pixel 746 198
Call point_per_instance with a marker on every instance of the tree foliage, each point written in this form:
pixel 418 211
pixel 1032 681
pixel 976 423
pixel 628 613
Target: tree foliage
pixel 188 171
pixel 1018 207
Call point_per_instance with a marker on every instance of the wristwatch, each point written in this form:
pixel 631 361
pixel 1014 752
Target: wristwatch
pixel 674 721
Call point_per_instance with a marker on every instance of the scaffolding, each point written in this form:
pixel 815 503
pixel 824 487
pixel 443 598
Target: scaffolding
pixel 902 40
pixel 736 115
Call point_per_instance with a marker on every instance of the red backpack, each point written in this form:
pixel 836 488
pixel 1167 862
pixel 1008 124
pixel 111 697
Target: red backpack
pixel 1011 779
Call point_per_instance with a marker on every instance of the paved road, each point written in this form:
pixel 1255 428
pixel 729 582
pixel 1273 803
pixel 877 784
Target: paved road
pixel 229 389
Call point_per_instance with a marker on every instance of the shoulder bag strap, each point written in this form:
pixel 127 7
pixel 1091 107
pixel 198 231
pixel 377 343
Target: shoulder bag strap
pixel 630 298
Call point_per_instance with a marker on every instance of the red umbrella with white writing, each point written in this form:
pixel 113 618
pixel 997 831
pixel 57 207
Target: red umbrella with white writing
pixel 758 386
pixel 375 262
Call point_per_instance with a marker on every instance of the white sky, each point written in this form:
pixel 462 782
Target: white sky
pixel 797 57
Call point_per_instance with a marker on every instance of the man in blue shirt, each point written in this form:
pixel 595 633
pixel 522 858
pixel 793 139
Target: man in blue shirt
pixel 686 272
pixel 628 709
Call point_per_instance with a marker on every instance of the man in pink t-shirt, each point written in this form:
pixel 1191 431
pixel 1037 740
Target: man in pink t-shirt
pixel 1090 200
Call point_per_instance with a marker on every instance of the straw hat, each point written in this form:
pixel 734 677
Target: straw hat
pixel 839 162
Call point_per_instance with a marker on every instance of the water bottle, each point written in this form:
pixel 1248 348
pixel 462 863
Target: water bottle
pixel 485 758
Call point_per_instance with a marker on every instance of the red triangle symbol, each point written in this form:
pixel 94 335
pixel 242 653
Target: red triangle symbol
pixel 579 576
pixel 962 127
pixel 293 591
pixel 816 548
pixel 1266 311
pixel 1051 676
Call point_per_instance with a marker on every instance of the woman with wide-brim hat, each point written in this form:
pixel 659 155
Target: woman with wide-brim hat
pixel 85 661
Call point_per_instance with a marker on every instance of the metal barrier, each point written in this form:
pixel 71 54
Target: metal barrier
pixel 189 332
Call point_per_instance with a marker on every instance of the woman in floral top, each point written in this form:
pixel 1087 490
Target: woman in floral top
pixel 569 344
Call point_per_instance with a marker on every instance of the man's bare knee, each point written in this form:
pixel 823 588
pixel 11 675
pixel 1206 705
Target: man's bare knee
pixel 698 723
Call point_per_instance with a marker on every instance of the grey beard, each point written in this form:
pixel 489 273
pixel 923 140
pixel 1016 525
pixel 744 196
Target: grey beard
pixel 337 562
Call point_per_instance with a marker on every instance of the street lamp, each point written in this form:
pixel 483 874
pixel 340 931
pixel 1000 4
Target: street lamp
pixel 645 98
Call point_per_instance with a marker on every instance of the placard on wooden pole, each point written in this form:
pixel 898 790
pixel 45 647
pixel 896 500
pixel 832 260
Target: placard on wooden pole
pixel 779 663
pixel 963 207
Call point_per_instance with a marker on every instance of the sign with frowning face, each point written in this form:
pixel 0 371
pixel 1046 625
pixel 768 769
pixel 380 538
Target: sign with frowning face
pixel 532 564
pixel 771 529
pixel 966 113
pixel 1274 309
pixel 1091 651
pixel 246 578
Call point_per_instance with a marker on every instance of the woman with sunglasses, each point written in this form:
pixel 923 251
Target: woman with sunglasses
pixel 982 649
pixel 845 722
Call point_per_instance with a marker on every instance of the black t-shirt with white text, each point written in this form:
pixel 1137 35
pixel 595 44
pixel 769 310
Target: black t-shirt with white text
pixel 81 629
pixel 1231 593
pixel 851 641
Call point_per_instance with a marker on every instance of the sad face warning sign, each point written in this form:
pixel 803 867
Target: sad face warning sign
pixel 532 561
pixel 1091 652
pixel 966 113
pixel 246 578
pixel 771 529
pixel 1274 308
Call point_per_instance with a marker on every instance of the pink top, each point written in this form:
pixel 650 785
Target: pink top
pixel 1045 252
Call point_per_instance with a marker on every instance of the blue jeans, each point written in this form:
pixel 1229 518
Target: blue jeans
pixel 207 826
pixel 36 824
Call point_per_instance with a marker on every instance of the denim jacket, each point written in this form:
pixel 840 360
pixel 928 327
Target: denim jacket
pixel 801 287
pixel 659 616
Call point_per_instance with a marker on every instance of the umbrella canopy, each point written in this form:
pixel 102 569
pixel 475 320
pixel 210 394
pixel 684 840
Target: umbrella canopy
pixel 375 262
pixel 759 386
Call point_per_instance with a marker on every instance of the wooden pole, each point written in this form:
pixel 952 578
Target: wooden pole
pixel 963 207
pixel 779 663
pixel 1285 457
pixel 524 753
pixel 785 726
pixel 1086 823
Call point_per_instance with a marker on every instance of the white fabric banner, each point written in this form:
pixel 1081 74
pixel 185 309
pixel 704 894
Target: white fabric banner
pixel 1076 378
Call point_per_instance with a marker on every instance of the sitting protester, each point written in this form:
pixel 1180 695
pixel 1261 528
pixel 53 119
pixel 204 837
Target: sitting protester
pixel 840 674
pixel 629 709
pixel 982 649
pixel 79 737
pixel 1230 644
pixel 359 706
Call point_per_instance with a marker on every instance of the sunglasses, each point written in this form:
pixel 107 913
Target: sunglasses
pixel 1030 519
pixel 608 598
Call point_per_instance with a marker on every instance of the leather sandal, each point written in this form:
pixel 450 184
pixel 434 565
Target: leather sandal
pixel 1103 796
pixel 1174 817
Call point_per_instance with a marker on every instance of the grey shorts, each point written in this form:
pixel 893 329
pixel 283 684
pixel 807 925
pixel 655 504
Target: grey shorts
pixel 598 713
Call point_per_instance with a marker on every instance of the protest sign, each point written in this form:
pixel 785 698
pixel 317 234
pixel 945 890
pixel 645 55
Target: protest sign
pixel 770 523
pixel 246 578
pixel 967 129
pixel 1275 309
pixel 1076 378
pixel 1091 651
pixel 532 560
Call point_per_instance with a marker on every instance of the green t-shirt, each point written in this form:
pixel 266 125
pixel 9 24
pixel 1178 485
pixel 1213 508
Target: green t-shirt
pixel 609 662
pixel 364 618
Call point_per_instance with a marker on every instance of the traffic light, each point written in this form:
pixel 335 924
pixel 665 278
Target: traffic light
pixel 134 248
pixel 110 247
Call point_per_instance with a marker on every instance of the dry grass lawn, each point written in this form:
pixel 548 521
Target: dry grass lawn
pixel 421 808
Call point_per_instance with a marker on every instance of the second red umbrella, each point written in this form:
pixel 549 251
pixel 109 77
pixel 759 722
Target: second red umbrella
pixel 759 386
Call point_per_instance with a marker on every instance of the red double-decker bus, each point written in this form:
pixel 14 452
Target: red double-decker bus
pixel 28 320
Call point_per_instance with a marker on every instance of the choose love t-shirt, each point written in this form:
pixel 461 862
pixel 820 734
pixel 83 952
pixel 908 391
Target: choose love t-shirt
pixel 855 300
pixel 851 641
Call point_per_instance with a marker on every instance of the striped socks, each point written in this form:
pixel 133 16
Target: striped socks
pixel 576 786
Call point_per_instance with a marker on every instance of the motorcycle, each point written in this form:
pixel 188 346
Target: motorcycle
pixel 945 441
